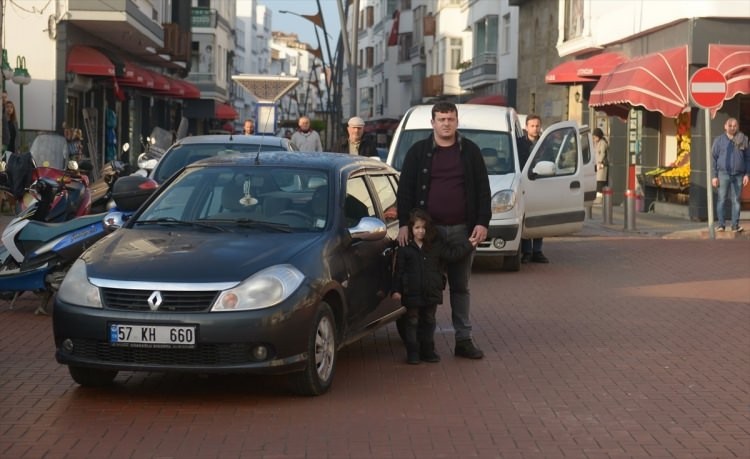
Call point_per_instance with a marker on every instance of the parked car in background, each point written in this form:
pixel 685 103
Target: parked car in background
pixel 262 263
pixel 547 197
pixel 194 148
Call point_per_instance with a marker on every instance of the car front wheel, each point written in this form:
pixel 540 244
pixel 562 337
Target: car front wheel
pixel 91 377
pixel 317 376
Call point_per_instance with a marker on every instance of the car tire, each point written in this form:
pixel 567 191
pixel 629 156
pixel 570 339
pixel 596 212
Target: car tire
pixel 513 262
pixel 322 352
pixel 91 377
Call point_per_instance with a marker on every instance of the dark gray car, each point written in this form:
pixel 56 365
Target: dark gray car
pixel 263 263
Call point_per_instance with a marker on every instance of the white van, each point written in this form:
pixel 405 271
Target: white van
pixel 547 198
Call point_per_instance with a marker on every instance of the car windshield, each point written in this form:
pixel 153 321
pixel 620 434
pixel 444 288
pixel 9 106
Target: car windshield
pixel 184 154
pixel 495 147
pixel 242 198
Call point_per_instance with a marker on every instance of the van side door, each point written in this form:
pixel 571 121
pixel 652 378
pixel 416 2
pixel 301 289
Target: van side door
pixel 553 180
pixel 589 166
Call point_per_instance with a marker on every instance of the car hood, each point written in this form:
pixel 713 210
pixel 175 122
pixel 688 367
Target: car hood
pixel 191 256
pixel 501 182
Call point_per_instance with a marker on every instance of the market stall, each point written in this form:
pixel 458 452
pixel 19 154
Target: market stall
pixel 671 183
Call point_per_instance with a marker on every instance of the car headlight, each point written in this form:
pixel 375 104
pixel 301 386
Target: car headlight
pixel 503 201
pixel 76 288
pixel 261 290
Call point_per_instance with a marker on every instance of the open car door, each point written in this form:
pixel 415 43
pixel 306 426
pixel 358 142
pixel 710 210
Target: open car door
pixel 554 185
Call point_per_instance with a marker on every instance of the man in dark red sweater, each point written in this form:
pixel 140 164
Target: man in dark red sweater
pixel 445 174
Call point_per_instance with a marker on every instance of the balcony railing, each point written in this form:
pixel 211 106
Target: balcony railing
pixel 177 42
pixel 480 70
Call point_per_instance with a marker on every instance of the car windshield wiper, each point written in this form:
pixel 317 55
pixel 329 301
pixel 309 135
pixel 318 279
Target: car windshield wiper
pixel 174 221
pixel 250 223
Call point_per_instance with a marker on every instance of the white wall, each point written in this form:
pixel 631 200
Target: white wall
pixel 610 21
pixel 25 35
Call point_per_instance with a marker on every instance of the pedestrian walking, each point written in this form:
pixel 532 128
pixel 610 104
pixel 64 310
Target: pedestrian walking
pixel 601 148
pixel 445 174
pixel 356 143
pixel 306 138
pixel 730 167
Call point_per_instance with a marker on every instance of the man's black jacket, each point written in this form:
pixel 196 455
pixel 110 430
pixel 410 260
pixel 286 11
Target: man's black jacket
pixel 367 147
pixel 414 182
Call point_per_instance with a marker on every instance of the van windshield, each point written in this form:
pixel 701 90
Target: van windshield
pixel 496 148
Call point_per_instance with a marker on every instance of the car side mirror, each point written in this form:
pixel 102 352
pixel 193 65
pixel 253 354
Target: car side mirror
pixel 113 221
pixel 544 169
pixel 368 229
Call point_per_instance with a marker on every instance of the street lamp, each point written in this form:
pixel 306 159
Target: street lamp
pixel 21 77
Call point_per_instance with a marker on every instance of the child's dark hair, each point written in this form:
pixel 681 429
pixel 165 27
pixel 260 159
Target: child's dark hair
pixel 430 230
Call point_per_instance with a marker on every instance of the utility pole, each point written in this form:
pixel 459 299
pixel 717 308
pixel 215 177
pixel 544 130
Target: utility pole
pixel 351 51
pixel 2 48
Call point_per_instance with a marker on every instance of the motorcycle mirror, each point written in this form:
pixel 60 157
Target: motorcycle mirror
pixel 152 140
pixel 125 147
pixel 72 165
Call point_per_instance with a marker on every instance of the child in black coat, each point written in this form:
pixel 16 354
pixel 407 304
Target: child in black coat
pixel 419 283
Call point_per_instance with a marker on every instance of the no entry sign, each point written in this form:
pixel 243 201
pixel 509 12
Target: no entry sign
pixel 708 87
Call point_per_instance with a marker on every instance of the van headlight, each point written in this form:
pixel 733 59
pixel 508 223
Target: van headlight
pixel 76 288
pixel 263 289
pixel 503 201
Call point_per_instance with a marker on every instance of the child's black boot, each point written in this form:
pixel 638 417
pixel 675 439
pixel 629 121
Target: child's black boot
pixel 427 352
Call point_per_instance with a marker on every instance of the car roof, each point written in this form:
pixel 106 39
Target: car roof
pixel 233 138
pixel 316 160
pixel 470 116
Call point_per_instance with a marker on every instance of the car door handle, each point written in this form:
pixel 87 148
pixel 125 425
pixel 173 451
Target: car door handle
pixel 575 184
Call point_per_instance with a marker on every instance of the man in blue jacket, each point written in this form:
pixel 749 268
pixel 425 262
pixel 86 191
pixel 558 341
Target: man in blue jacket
pixel 730 165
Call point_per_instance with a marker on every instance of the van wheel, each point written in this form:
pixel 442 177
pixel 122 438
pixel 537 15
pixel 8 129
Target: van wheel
pixel 512 262
pixel 322 350
pixel 91 377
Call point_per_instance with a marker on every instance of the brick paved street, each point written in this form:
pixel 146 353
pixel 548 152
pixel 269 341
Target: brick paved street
pixel 621 347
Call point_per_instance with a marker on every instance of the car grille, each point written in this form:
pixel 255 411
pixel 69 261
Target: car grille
pixel 172 301
pixel 202 355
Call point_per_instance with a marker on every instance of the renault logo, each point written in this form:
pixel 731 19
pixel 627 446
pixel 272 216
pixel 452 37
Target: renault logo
pixel 154 301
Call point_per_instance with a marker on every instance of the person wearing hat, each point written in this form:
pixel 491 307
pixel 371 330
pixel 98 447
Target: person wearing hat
pixel 356 143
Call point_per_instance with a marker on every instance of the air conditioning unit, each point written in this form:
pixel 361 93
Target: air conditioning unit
pixel 79 83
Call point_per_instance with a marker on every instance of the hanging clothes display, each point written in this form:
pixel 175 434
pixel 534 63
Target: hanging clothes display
pixel 110 151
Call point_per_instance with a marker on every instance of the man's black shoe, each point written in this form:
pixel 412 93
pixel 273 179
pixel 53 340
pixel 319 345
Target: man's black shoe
pixel 465 348
pixel 526 258
pixel 539 257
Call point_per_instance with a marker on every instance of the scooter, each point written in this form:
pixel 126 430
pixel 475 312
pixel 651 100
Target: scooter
pixel 57 195
pixel 35 255
pixel 154 148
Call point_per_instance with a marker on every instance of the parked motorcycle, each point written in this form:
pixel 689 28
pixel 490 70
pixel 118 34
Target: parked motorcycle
pixel 35 256
pixel 57 195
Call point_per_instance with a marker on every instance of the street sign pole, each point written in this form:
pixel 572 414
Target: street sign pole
pixel 709 186
pixel 708 88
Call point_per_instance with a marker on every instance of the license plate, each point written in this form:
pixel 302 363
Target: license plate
pixel 151 335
